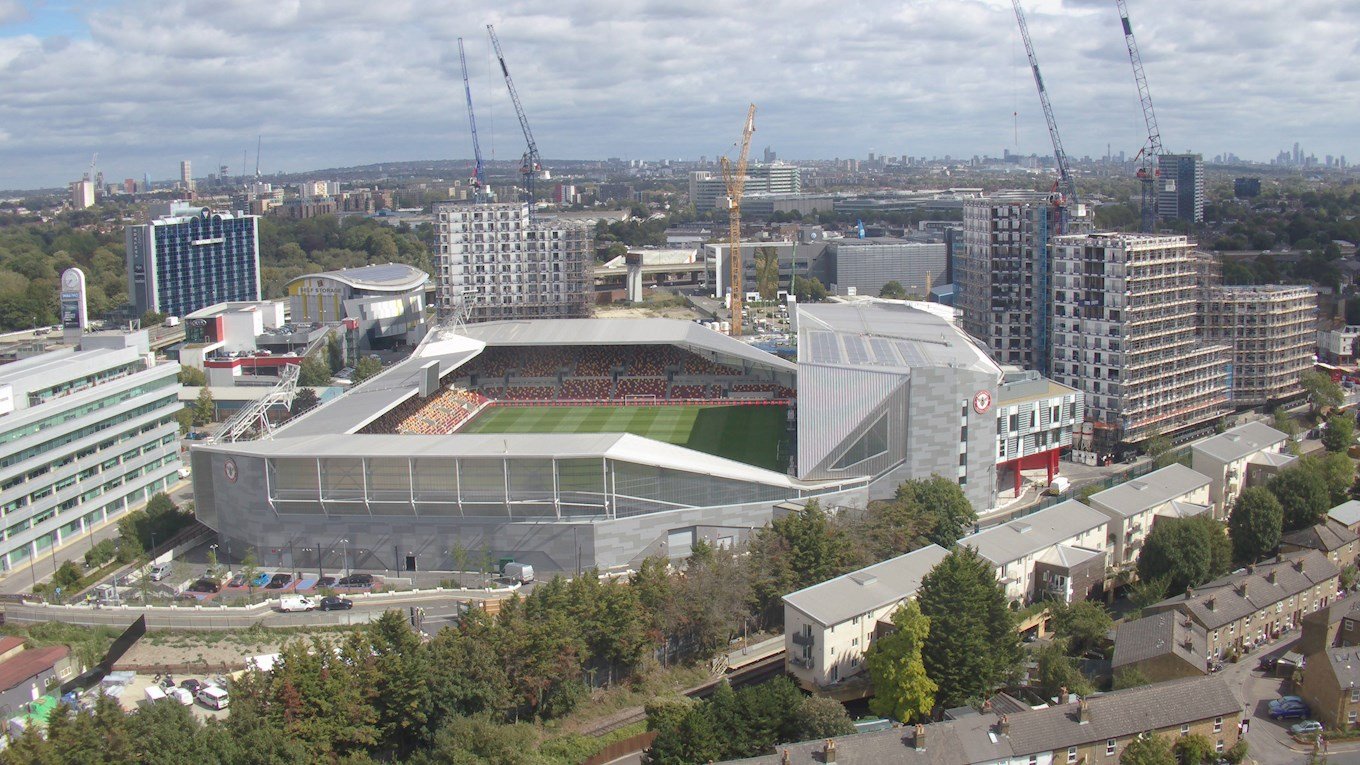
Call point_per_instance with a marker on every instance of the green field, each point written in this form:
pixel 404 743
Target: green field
pixel 750 434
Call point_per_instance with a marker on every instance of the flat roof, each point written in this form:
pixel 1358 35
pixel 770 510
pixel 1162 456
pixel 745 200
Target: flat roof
pixel 1034 532
pixel 859 592
pixel 1155 488
pixel 384 277
pixel 886 335
pixel 1346 513
pixel 1241 441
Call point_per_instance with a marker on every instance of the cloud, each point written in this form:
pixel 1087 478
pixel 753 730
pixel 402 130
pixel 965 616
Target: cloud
pixel 12 12
pixel 336 82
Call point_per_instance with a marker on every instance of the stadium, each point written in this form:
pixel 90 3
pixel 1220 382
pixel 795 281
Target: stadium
pixel 575 443
pixel 564 444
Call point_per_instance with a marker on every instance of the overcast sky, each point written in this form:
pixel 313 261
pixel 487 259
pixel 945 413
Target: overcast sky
pixel 146 83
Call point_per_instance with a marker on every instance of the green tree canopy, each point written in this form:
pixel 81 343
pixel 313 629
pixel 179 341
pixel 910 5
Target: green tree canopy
pixel 366 368
pixel 1303 493
pixel 1148 749
pixel 1340 432
pixel 1255 525
pixel 1322 390
pixel 192 377
pixel 902 690
pixel 893 291
pixel 973 646
pixel 315 373
pixel 205 409
pixel 943 502
pixel 1082 625
pixel 1185 552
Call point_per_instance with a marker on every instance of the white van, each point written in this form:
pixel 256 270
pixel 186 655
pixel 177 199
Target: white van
pixel 159 571
pixel 296 603
pixel 213 697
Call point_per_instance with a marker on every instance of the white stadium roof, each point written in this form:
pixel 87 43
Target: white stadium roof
pixel 886 335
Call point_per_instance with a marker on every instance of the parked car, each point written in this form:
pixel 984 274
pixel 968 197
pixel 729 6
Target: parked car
pixel 279 581
pixel 296 603
pixel 205 585
pixel 191 685
pixel 237 581
pixel 1267 663
pixel 356 580
pixel 213 697
pixel 261 580
pixel 1289 712
pixel 336 603
pixel 326 581
pixel 159 571
pixel 1286 700
pixel 1305 727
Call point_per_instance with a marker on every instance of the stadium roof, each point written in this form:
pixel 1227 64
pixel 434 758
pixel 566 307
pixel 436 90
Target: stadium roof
pixel 886 335
pixel 620 446
pixel 862 591
pixel 385 277
pixel 687 334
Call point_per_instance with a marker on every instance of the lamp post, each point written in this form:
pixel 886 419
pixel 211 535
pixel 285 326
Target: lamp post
pixel 213 548
pixel 344 552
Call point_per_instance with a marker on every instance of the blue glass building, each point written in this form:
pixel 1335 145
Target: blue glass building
pixel 179 264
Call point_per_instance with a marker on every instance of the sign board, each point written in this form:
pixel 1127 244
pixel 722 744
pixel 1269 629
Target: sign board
pixel 6 399
pixel 73 299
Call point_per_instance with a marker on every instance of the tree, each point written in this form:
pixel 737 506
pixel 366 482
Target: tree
pixel 335 354
pixel 366 368
pixel 1337 471
pixel 1158 447
pixel 1057 671
pixel 973 646
pixel 767 272
pixel 809 290
pixel 819 717
pixel 192 377
pixel 801 549
pixel 944 503
pixel 1302 492
pixel 305 400
pixel 205 409
pixel 893 290
pixel 1130 677
pixel 1340 432
pixel 314 373
pixel 1185 551
pixel 693 739
pixel 1322 390
pixel 1255 525
pixel 1082 625
pixel 902 689
pixel 249 570
pixel 1195 749
pixel 1148 749
pixel 185 417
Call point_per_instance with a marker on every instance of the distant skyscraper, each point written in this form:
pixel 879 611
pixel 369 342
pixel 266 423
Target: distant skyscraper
pixel 770 155
pixel 82 194
pixel 1298 154
pixel 186 175
pixel 1180 187
pixel 177 265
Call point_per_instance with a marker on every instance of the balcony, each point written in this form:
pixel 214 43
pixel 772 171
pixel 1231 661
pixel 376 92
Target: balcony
pixel 803 639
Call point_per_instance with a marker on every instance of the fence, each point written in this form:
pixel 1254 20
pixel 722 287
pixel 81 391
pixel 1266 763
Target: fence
pixel 619 748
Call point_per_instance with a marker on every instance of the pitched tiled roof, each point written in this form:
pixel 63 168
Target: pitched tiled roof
pixel 1231 597
pixel 1168 632
pixel 1326 536
pixel 29 664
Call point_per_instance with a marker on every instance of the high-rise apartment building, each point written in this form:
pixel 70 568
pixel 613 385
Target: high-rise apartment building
pixel 82 194
pixel 181 263
pixel 1125 334
pixel 1271 331
pixel 87 435
pixel 1180 187
pixel 1002 275
pixel 497 264
pixel 186 175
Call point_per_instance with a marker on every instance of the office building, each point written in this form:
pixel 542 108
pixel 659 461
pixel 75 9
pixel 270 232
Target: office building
pixel 864 266
pixel 1003 277
pixel 181 263
pixel 708 191
pixel 1125 334
pixel 1270 329
pixel 1180 187
pixel 88 435
pixel 494 263
pixel 82 194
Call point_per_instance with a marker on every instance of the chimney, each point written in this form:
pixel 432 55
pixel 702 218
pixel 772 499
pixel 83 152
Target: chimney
pixel 986 706
pixel 1242 589
pixel 1189 592
pixel 1298 564
pixel 1062 695
pixel 1004 725
pixel 785 758
pixel 920 739
pixel 1271 577
pixel 1209 604
pixel 1083 711
pixel 829 753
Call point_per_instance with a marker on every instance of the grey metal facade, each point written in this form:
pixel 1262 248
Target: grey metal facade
pixel 868 264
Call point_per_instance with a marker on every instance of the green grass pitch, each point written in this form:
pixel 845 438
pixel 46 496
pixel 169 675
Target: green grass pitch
pixel 750 434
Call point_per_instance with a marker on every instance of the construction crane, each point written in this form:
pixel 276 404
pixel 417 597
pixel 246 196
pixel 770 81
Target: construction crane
pixel 735 179
pixel 1147 171
pixel 1067 186
pixel 478 173
pixel 259 141
pixel 531 165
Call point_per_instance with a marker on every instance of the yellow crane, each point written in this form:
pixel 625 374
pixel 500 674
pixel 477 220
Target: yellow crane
pixel 736 183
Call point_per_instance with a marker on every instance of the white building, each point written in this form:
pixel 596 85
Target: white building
pixel 1124 332
pixel 1047 550
pixel 82 194
pixel 1231 458
pixel 87 435
pixel 497 264
pixel 1174 491
pixel 709 191
pixel 829 626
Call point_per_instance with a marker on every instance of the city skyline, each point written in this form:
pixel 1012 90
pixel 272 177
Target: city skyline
pixel 148 85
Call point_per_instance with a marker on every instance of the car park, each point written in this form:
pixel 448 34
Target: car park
pixel 213 697
pixel 191 685
pixel 1305 727
pixel 325 581
pixel 356 580
pixel 237 581
pixel 261 580
pixel 279 581
pixel 336 603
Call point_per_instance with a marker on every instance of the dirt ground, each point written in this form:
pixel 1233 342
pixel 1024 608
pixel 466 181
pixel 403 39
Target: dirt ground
pixel 232 649
pixel 645 312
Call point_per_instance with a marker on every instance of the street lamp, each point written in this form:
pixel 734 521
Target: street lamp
pixel 213 548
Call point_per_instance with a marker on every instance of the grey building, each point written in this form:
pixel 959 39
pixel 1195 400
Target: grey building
pixel 88 435
pixel 808 260
pixel 1271 330
pixel 865 265
pixel 893 392
pixel 1180 187
pixel 708 191
pixel 179 264
pixel 494 263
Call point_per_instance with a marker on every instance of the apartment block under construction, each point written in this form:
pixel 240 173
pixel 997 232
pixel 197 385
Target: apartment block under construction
pixel 1125 333
pixel 494 263
pixel 1271 331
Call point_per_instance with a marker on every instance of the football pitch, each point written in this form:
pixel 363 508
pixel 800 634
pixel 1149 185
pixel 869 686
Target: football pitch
pixel 750 434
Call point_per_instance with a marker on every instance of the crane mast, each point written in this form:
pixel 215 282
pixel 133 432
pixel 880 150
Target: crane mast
pixel 735 180
pixel 531 164
pixel 1066 184
pixel 478 173
pixel 1152 149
